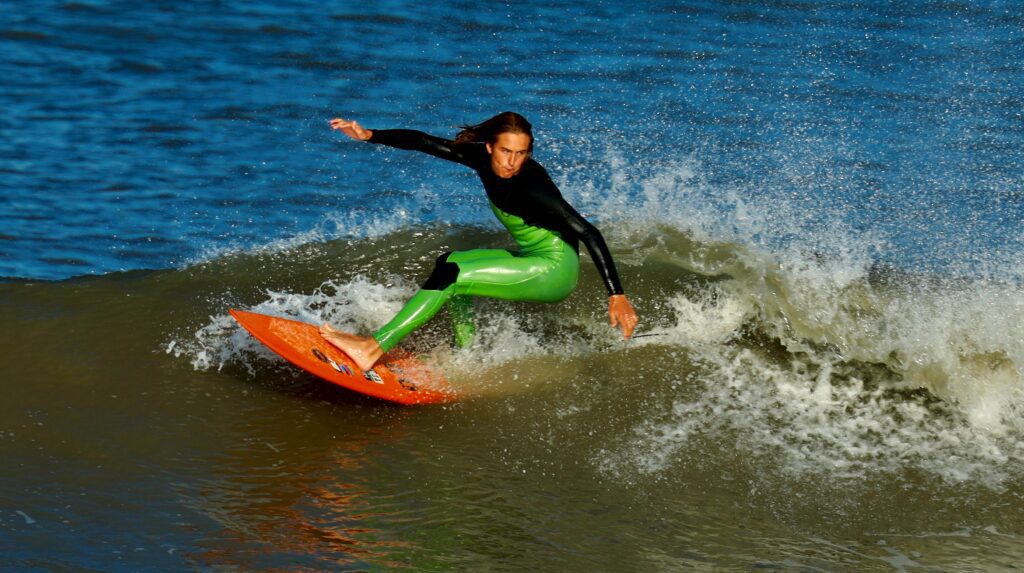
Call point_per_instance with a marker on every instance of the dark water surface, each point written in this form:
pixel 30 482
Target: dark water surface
pixel 816 208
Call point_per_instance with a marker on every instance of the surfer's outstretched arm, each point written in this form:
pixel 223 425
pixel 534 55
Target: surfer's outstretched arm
pixel 408 139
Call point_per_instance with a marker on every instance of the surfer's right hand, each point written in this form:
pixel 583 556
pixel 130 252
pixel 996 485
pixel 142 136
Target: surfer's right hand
pixel 351 128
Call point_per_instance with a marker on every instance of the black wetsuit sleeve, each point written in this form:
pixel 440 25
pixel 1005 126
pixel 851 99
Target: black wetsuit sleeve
pixel 598 249
pixel 567 218
pixel 413 140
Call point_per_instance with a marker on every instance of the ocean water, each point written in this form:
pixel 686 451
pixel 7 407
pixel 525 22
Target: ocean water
pixel 816 207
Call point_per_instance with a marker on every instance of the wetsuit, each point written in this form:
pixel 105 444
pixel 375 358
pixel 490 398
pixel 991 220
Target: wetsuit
pixel 546 228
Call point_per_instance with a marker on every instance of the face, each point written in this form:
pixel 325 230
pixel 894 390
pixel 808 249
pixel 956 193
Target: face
pixel 508 153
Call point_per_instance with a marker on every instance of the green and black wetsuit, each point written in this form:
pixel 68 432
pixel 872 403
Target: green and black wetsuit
pixel 545 227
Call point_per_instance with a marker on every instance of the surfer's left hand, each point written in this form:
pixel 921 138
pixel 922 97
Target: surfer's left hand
pixel 622 314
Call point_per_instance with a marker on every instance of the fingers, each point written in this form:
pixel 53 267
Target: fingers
pixel 351 128
pixel 627 327
pixel 338 123
pixel 627 322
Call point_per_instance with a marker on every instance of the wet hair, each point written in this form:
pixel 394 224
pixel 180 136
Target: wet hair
pixel 489 130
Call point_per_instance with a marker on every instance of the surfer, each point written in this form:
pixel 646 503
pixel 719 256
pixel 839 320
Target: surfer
pixel 525 199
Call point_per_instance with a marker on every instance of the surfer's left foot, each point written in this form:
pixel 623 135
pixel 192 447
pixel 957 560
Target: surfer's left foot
pixel 364 350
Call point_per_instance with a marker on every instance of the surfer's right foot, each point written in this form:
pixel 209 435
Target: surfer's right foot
pixel 363 350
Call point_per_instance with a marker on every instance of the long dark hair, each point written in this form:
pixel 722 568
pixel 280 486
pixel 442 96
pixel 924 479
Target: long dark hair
pixel 489 130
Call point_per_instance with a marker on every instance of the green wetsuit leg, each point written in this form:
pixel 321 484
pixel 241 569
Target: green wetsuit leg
pixel 547 276
pixel 460 306
pixel 460 309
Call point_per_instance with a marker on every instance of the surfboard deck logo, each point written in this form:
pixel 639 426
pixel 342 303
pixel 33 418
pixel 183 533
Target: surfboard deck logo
pixel 399 377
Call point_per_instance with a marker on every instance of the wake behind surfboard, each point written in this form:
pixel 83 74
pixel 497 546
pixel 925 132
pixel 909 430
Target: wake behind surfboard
pixel 399 377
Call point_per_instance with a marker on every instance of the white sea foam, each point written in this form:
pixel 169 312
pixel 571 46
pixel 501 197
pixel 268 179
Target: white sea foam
pixel 799 422
pixel 821 413
pixel 858 343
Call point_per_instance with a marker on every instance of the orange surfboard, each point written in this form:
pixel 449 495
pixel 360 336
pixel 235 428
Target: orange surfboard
pixel 399 377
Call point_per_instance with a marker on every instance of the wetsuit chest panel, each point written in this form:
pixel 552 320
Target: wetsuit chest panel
pixel 530 196
pixel 531 240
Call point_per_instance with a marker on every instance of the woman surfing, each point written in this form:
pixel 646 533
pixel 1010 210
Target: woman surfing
pixel 525 199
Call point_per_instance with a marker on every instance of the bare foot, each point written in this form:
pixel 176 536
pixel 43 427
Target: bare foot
pixel 364 350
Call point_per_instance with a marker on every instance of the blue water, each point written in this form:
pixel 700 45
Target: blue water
pixel 157 134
